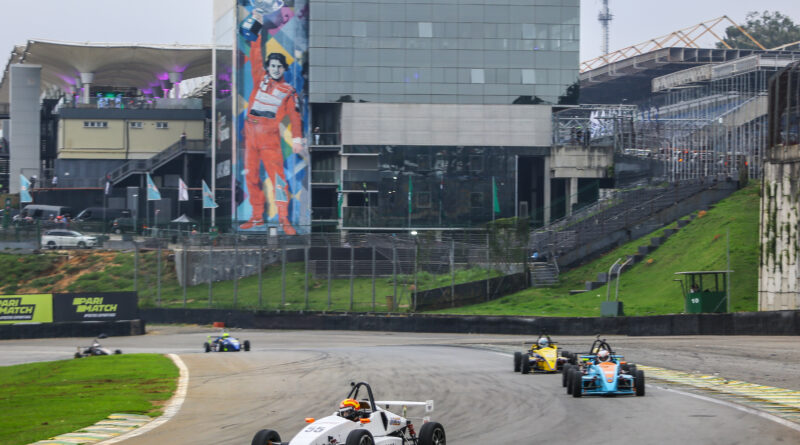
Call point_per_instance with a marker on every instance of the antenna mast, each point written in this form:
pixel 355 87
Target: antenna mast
pixel 604 17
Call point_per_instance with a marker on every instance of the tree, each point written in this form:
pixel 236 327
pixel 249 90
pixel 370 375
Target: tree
pixel 770 29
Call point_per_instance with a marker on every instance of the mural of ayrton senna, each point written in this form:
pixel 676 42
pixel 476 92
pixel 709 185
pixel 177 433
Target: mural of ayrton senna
pixel 272 115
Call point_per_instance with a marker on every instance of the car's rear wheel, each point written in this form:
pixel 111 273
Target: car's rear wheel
pixel 81 245
pixel 564 374
pixel 432 433
pixel 51 245
pixel 207 347
pixel 526 365
pixel 638 382
pixel 517 361
pixel 577 384
pixel 266 437
pixel 360 437
pixel 247 345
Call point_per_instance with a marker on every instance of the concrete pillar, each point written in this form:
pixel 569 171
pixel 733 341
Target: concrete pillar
pixel 175 79
pixel 86 80
pixel 546 191
pixel 24 92
pixel 572 194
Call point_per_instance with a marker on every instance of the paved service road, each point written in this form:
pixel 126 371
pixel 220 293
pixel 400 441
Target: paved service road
pixel 479 399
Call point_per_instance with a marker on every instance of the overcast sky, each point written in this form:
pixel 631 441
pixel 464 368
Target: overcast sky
pixel 190 21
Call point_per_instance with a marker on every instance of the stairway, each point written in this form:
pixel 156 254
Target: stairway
pixel 543 274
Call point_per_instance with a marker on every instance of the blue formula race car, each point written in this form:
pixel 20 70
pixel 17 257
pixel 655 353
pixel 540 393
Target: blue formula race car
pixel 603 373
pixel 225 343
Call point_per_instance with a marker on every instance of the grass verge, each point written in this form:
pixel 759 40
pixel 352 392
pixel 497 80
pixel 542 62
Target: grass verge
pixel 42 400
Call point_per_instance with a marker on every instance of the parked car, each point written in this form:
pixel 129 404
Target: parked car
pixel 100 214
pixel 54 239
pixel 33 212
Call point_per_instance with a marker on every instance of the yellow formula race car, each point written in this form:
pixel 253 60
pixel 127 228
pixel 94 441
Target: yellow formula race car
pixel 544 356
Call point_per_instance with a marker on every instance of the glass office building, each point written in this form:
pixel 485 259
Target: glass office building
pixel 431 113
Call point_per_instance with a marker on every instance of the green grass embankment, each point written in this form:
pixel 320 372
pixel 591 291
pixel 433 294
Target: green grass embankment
pixel 42 400
pixel 110 271
pixel 648 287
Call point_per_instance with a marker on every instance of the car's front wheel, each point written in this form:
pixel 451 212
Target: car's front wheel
pixel 526 365
pixel 577 384
pixel 360 437
pixel 639 382
pixel 266 437
pixel 207 347
pixel 81 245
pixel 247 345
pixel 517 361
pixel 51 245
pixel 432 433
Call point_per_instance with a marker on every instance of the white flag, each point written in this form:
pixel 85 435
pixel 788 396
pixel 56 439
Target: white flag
pixel 183 191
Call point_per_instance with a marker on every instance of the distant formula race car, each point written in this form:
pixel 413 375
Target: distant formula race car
pixel 544 356
pixel 603 373
pixel 361 420
pixel 225 343
pixel 95 349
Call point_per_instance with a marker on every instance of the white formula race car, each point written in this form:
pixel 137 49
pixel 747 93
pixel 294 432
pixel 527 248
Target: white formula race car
pixel 363 421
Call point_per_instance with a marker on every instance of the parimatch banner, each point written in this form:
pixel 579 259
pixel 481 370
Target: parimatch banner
pixel 100 306
pixel 26 309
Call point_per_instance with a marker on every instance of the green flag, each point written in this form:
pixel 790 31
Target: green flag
pixel 410 190
pixel 495 202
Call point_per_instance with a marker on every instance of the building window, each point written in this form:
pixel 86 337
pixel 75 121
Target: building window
pixel 135 124
pixel 476 200
pixel 95 124
pixel 425 29
pixel 529 77
pixel 162 125
pixel 475 163
pixel 477 75
pixel 424 200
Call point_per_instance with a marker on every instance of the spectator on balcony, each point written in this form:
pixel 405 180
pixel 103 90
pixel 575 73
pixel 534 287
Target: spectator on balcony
pixel 54 181
pixel 183 139
pixel 316 135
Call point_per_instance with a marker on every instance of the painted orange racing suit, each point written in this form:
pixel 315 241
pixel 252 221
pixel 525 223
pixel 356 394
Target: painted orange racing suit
pixel 270 102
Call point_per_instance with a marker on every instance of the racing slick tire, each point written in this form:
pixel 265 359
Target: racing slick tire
pixel 526 365
pixel 266 437
pixel 564 374
pixel 432 433
pixel 78 355
pixel 117 351
pixel 638 382
pixel 359 437
pixel 207 347
pixel 247 345
pixel 570 379
pixel 517 361
pixel 577 384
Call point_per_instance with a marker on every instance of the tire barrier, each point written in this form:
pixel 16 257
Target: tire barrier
pixel 72 329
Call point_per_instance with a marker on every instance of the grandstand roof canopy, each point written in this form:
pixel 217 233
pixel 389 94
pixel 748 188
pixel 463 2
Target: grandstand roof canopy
pixel 124 65
pixel 630 80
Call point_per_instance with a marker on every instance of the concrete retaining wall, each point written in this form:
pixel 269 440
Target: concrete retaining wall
pixel 742 323
pixel 76 329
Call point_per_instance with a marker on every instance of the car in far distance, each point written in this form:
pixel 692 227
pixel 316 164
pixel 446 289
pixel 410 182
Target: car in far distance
pixel 55 239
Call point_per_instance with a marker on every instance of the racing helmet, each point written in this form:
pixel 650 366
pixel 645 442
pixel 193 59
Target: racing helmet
pixel 348 408
pixel 226 335
pixel 603 355
pixel 543 343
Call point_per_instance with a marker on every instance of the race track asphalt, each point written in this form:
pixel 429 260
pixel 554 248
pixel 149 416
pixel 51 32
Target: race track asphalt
pixel 291 375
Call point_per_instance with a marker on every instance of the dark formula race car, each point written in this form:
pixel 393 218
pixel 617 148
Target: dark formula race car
pixel 225 343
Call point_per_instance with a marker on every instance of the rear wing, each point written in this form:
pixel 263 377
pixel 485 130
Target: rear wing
pixel 428 404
